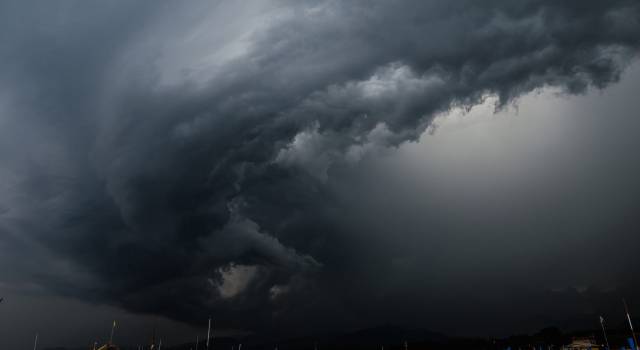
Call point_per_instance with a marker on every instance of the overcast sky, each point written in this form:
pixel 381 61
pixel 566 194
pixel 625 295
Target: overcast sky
pixel 298 167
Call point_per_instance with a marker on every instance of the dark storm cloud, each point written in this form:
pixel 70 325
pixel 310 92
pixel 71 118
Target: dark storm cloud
pixel 218 196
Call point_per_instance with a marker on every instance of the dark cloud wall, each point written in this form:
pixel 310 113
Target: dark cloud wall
pixel 188 160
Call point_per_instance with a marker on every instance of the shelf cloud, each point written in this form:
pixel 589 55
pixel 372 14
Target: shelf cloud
pixel 187 159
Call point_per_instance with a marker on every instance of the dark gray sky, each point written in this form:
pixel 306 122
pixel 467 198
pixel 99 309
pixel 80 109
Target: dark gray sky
pixel 468 167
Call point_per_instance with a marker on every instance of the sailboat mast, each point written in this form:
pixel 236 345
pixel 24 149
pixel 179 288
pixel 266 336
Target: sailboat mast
pixel 208 332
pixel 153 338
pixel 604 332
pixel 113 327
pixel 633 334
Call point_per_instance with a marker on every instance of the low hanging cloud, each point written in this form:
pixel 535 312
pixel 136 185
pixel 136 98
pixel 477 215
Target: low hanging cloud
pixel 149 184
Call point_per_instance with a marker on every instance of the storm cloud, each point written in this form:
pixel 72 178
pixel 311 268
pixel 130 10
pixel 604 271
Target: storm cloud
pixel 187 159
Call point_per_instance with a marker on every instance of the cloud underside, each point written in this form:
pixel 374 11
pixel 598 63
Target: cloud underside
pixel 217 190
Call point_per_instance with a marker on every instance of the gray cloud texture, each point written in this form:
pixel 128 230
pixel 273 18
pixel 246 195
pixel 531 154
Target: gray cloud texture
pixel 148 149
